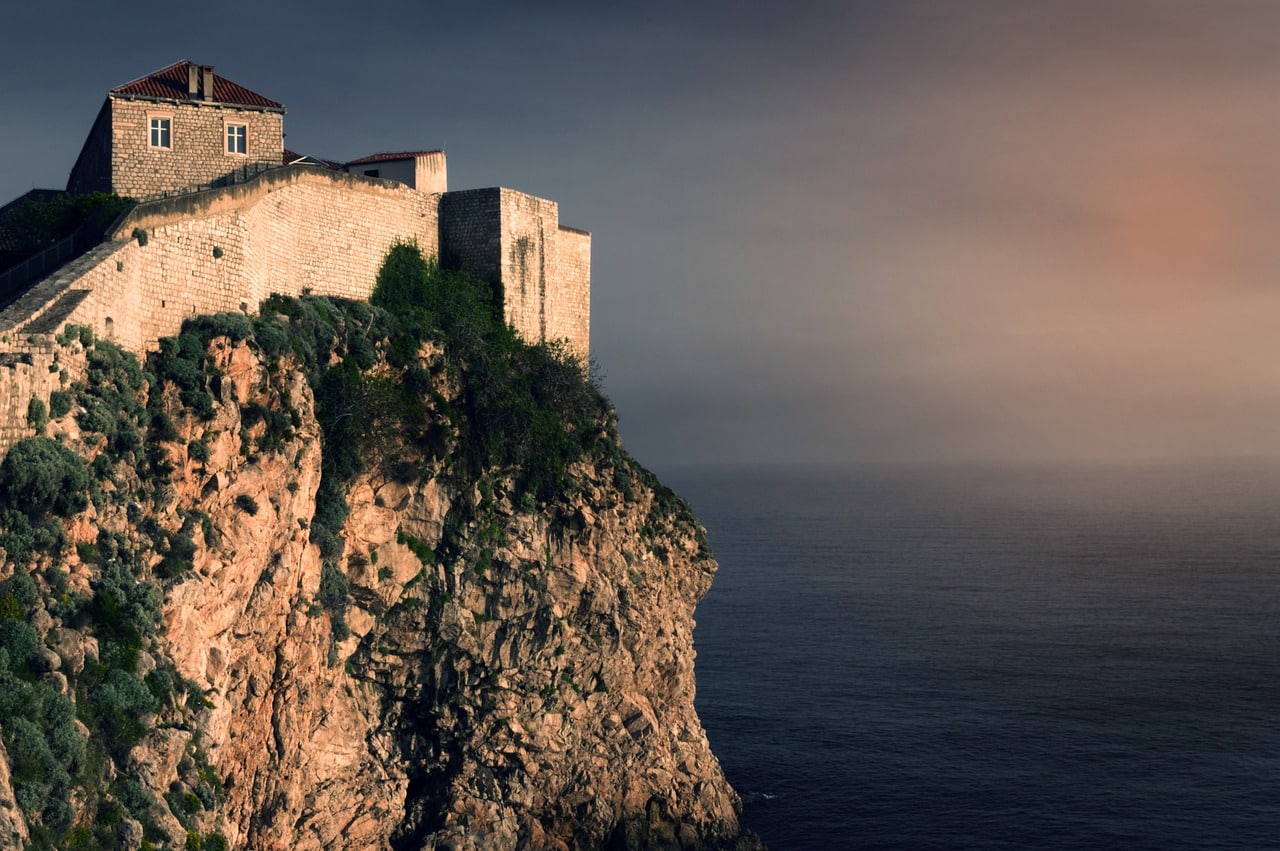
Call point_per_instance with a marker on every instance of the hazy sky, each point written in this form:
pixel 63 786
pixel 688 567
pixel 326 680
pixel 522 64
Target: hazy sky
pixel 823 231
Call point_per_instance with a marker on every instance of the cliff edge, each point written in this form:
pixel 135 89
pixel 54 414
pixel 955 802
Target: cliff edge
pixel 347 576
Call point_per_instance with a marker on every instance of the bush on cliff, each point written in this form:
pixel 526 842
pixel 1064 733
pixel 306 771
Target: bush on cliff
pixel 528 406
pixel 41 476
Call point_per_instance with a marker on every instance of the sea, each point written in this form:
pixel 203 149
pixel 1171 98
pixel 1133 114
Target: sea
pixel 995 657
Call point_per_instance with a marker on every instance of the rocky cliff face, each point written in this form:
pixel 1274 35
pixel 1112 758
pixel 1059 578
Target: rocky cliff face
pixel 417 650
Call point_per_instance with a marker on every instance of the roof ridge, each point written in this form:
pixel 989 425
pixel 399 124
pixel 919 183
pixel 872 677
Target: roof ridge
pixel 393 155
pixel 152 74
pixel 170 83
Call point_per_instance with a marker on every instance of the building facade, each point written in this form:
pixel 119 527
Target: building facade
pixel 178 130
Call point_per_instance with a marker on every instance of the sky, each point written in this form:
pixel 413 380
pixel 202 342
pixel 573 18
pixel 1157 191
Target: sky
pixel 824 233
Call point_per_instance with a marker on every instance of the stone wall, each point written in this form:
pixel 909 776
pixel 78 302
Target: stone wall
pixel 291 230
pixel 198 153
pixel 569 302
pixel 529 259
pixel 92 171
pixel 470 233
pixel 516 239
pixel 27 371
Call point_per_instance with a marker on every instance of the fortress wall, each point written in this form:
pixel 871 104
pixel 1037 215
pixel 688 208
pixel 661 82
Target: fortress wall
pixel 333 242
pixel 114 305
pixel 529 260
pixel 506 236
pixel 470 233
pixel 33 370
pixel 24 374
pixel 288 231
pixel 569 299
pixel 309 230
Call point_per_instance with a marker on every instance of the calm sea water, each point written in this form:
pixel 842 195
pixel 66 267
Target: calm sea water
pixel 1034 658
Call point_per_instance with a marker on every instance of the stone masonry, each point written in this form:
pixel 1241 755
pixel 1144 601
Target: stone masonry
pixel 144 172
pixel 516 241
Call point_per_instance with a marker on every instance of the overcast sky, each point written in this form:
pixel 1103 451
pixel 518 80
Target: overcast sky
pixel 824 232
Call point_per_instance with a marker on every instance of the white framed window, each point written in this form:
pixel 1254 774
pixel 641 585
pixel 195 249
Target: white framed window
pixel 161 128
pixel 237 139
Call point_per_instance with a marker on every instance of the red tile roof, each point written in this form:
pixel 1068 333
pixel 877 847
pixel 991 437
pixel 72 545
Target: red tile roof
pixel 171 84
pixel 385 158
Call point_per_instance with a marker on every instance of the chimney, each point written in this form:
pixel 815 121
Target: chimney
pixel 193 81
pixel 208 81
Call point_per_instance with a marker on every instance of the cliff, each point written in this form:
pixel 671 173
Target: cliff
pixel 347 576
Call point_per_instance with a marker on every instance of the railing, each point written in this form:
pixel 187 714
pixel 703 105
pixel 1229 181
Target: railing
pixel 244 174
pixel 15 279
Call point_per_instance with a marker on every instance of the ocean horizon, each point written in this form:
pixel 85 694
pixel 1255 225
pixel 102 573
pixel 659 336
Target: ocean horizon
pixel 995 656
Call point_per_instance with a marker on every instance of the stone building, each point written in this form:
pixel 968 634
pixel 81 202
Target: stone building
pixel 421 170
pixel 177 130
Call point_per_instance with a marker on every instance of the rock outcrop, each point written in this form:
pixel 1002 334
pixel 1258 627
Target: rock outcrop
pixel 470 665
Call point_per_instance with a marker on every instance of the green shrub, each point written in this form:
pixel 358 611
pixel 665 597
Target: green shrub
pixel 532 408
pixel 133 796
pixel 247 504
pixel 162 427
pixel 334 589
pixel 178 559
pixel 98 417
pixel 19 642
pixel 59 404
pixel 41 476
pixel 118 705
pixel 23 589
pixel 40 222
pixel 181 360
pixel 37 414
pixel 236 326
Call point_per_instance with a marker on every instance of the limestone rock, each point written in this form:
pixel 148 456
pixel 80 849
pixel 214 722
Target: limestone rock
pixel 498 673
pixel 13 827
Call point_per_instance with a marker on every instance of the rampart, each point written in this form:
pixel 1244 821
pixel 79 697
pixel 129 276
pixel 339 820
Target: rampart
pixel 516 240
pixel 290 230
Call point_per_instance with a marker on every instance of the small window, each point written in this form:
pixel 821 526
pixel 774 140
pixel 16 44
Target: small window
pixel 371 172
pixel 237 137
pixel 160 130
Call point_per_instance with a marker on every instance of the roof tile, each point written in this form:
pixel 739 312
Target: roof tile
pixel 171 83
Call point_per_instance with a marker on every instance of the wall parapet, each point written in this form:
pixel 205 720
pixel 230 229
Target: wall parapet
pixel 159 212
